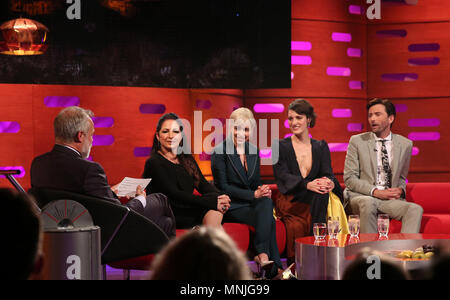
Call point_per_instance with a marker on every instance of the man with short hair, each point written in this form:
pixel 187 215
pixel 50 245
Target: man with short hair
pixel 66 168
pixel 375 171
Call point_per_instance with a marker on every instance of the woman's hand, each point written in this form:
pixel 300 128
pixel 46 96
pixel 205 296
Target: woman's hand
pixel 321 185
pixel 263 191
pixel 223 203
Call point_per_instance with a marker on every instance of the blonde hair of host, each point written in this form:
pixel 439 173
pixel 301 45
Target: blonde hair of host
pixel 242 116
pixel 204 253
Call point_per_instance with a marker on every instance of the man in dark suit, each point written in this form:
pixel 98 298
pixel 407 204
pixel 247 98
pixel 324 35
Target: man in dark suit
pixel 66 168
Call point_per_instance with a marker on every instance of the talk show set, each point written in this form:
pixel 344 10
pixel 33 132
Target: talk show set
pixel 225 146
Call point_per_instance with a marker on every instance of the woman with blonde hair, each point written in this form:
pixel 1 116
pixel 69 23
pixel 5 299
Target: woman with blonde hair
pixel 235 166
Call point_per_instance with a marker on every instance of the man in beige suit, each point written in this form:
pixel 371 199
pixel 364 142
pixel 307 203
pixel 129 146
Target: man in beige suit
pixel 376 167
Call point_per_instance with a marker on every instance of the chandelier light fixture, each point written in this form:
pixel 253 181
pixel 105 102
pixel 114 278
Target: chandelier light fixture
pixel 23 37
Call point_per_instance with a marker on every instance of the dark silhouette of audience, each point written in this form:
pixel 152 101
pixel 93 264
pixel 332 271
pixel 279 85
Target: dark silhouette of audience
pixel 21 223
pixel 205 253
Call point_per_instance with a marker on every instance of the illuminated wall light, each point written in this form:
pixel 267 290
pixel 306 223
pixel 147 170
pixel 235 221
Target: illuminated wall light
pixel 424 122
pixel 341 113
pixel 424 61
pixel 265 153
pixel 301 46
pixel 288 135
pixel 338 147
pixel 286 124
pixel 341 37
pixel 424 136
pixel 103 140
pixel 401 107
pixel 356 85
pixel 355 127
pixel 355 9
pixel 103 122
pixel 268 108
pixel 400 77
pixel 142 151
pixel 354 52
pixel 9 127
pixel 415 151
pixel 22 171
pixel 61 101
pixel 301 60
pixel 203 104
pixel 424 47
pixel 292 75
pixel 339 71
pixel 392 33
pixel 152 108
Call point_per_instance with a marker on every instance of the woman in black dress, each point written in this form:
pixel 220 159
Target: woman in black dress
pixel 177 174
pixel 303 175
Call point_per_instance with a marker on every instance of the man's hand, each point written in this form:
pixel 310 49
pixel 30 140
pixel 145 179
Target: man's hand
pixel 115 188
pixel 388 194
pixel 140 191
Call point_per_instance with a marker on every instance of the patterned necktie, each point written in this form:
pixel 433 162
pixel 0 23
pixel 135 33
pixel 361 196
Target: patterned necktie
pixel 386 167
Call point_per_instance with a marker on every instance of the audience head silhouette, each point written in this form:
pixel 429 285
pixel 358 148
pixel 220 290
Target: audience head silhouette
pixel 204 253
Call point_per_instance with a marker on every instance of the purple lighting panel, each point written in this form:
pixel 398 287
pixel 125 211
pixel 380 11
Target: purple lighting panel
pixel 103 122
pixel 338 147
pixel 61 101
pixel 9 127
pixel 142 151
pixel 203 104
pixel 424 122
pixel 268 108
pixel 22 171
pixel 204 156
pixel 424 47
pixel 415 151
pixel 301 46
pixel 265 153
pixel 355 85
pixel 424 61
pixel 341 113
pixel 301 60
pixel 424 136
pixel 400 77
pixel 401 107
pixel 339 71
pixel 103 140
pixel 392 33
pixel 341 37
pixel 354 52
pixel 355 9
pixel 354 127
pixel 152 108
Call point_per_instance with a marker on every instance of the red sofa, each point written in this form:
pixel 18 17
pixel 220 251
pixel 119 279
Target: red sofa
pixel 434 197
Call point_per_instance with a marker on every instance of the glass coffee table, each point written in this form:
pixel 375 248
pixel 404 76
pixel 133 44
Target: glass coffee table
pixel 327 259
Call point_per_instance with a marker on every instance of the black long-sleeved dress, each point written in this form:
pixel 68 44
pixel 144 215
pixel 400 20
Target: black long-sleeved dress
pixel 178 185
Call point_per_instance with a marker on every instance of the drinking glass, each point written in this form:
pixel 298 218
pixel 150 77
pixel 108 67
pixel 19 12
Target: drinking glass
pixel 333 227
pixel 320 231
pixel 353 225
pixel 383 225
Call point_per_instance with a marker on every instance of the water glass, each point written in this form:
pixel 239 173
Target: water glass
pixel 353 225
pixel 333 227
pixel 320 231
pixel 383 225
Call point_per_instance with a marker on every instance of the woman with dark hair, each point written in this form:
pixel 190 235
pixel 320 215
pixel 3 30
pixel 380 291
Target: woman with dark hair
pixel 303 175
pixel 176 174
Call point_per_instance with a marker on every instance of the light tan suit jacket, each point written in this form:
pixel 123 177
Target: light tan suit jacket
pixel 360 171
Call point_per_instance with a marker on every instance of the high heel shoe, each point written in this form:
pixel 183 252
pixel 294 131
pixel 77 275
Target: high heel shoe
pixel 263 267
pixel 286 274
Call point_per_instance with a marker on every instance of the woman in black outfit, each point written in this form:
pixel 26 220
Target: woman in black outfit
pixel 177 174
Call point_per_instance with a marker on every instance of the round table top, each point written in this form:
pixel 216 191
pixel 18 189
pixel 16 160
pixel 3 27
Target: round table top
pixel 344 240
